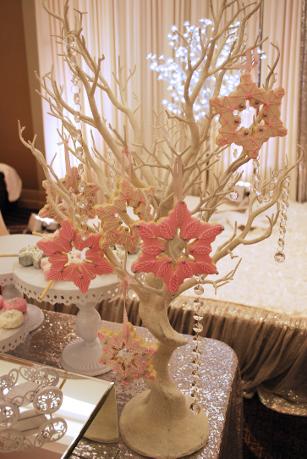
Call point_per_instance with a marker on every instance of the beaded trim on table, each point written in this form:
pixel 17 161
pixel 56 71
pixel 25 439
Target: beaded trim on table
pixel 54 296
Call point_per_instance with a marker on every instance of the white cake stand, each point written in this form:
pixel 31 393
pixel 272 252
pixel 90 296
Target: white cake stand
pixel 12 243
pixel 82 355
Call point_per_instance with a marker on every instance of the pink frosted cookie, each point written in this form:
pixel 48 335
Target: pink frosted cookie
pixel 19 304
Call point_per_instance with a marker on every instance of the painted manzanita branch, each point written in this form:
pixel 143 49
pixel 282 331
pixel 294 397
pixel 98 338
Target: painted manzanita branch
pixel 129 197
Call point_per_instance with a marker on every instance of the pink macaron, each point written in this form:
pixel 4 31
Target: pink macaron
pixel 1 302
pixel 18 304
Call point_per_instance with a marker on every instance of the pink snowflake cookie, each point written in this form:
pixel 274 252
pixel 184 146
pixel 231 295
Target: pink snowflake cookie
pixel 117 226
pixel 73 258
pixel 267 121
pixel 177 247
pixel 129 356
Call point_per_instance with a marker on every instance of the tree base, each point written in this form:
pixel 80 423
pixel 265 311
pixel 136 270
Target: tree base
pixel 165 430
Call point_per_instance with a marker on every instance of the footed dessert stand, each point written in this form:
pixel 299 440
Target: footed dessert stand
pixel 82 355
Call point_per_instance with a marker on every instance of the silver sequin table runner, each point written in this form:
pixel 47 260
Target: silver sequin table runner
pixel 220 395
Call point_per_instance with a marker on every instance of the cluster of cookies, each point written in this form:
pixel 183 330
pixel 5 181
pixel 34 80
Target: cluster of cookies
pixel 12 312
pixel 30 256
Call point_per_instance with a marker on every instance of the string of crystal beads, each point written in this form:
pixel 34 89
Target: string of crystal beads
pixel 257 179
pixel 196 352
pixel 284 204
pixel 73 59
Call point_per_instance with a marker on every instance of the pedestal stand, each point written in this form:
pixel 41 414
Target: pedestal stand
pixel 83 354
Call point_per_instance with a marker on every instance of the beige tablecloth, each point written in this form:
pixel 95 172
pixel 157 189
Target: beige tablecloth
pixel 220 389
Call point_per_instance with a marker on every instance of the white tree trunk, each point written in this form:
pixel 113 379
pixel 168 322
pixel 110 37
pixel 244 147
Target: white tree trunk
pixel 159 423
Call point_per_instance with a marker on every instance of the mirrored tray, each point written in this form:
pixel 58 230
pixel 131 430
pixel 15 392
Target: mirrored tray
pixel 85 400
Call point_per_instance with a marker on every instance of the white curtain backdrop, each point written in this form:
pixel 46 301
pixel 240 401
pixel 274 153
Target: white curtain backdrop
pixel 130 29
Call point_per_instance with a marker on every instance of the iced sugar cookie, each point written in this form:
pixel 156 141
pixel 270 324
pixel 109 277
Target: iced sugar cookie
pixel 11 319
pixel 30 256
pixel 19 304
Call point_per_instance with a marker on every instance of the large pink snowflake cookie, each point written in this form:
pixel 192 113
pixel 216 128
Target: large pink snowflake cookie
pixel 266 124
pixel 176 247
pixel 71 257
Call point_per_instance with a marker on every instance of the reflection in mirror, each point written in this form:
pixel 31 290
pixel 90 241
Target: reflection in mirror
pixel 45 411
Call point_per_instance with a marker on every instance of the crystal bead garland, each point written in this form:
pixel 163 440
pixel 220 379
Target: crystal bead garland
pixel 196 359
pixel 257 179
pixel 76 91
pixel 284 204
pixel 78 138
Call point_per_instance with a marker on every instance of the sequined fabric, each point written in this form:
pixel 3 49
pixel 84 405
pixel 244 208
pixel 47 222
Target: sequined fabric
pixel 271 346
pixel 220 395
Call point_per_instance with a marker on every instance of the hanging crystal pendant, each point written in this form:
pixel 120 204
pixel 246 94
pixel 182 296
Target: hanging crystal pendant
pixel 78 135
pixel 196 352
pixel 77 98
pixel 77 117
pixel 198 289
pixel 196 408
pixel 279 257
pixel 198 328
pixel 257 180
pixel 233 195
pixel 284 204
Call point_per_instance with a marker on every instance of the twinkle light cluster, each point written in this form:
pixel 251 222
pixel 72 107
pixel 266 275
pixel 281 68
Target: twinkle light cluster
pixel 188 46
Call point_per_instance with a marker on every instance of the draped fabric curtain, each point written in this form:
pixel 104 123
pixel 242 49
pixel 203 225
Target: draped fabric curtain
pixel 281 24
pixel 125 31
pixel 302 137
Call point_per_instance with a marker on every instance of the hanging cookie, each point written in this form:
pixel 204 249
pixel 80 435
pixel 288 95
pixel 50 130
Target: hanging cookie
pixel 266 123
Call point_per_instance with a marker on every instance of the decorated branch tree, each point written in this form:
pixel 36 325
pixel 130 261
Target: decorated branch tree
pixel 117 202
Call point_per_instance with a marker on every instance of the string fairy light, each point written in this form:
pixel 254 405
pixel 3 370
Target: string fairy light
pixel 188 46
